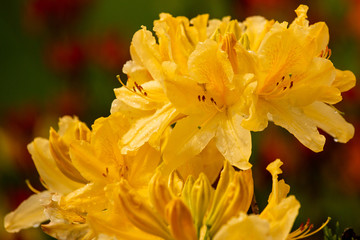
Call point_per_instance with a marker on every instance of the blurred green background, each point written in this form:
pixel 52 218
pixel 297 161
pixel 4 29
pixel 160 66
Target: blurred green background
pixel 60 57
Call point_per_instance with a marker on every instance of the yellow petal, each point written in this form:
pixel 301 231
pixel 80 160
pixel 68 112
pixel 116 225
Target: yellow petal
pixel 280 54
pixel 47 168
pixel 200 199
pixel 148 128
pixel 314 84
pixel 140 213
pixel 282 217
pixel 146 96
pixel 68 231
pixel 90 198
pixel 30 213
pixel 85 160
pixel 147 51
pixel 180 220
pixel 105 223
pixel 71 128
pixel 236 199
pixel 177 39
pixel 226 175
pixel 281 211
pixel 60 153
pixel 210 66
pixel 142 165
pixel 330 120
pixel 256 28
pixel 257 119
pixel 245 227
pixel 189 137
pixel 209 162
pixel 159 193
pixel 302 127
pixel 344 80
pixel 233 141
pixel 316 34
pixel 183 92
pixel 279 188
pixel 200 22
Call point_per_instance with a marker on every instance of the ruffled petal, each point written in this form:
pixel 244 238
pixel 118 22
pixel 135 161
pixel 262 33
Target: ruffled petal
pixel 147 52
pixel 302 127
pixel 329 119
pixel 344 80
pixel 30 213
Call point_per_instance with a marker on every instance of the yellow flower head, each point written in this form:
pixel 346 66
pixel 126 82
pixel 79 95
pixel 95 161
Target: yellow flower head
pixel 56 173
pixel 195 210
pixel 191 209
pixel 218 80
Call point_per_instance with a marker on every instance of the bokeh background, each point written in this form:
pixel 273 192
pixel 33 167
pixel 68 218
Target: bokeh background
pixel 60 57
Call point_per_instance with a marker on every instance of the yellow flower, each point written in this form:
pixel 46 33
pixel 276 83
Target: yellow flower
pixel 211 88
pixel 274 222
pixel 101 163
pixel 297 83
pixel 143 98
pixel 193 211
pixel 81 170
pixel 30 213
pixel 220 79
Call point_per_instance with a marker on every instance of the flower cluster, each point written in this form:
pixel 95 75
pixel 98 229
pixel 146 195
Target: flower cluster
pixel 172 159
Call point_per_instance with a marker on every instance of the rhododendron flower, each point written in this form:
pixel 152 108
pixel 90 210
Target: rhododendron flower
pixel 194 210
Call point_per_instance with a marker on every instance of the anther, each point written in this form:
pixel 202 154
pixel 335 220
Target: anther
pixel 199 98
pixel 291 84
pixel 134 89
pixel 301 227
pixel 145 93
pixel 311 226
pixel 203 98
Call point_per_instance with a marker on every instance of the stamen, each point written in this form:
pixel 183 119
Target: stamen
pixel 291 84
pixel 43 183
pixel 304 230
pixel 31 187
pixel 140 88
pixel 203 98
